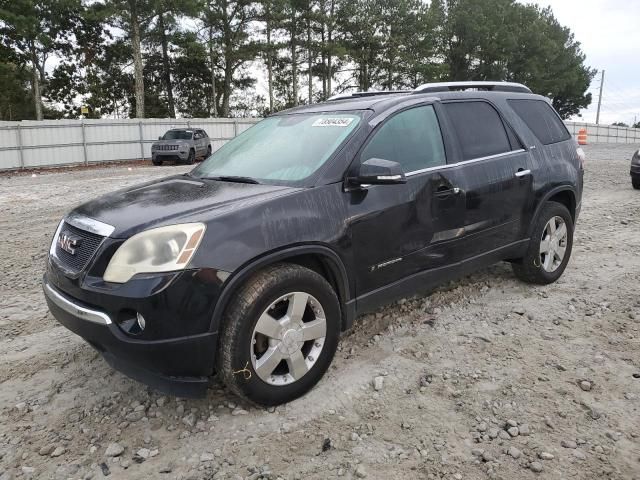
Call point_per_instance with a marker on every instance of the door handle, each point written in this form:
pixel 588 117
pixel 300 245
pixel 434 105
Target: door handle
pixel 445 192
pixel 522 173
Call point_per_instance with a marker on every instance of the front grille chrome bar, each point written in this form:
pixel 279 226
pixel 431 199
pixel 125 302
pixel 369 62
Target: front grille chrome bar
pixel 89 224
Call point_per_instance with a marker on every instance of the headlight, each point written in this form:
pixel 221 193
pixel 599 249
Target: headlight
pixel 164 249
pixel 154 146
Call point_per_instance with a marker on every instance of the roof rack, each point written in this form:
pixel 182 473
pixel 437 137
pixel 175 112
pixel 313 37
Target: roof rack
pixel 489 86
pixel 371 93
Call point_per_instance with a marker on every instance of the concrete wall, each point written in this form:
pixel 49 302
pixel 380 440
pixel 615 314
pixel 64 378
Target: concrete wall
pixel 29 144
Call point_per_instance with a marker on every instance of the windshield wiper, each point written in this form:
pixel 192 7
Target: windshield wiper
pixel 234 178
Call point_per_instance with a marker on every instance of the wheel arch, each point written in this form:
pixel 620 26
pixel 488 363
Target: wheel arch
pixel 564 195
pixel 319 258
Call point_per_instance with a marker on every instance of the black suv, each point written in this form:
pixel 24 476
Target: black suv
pixel 251 265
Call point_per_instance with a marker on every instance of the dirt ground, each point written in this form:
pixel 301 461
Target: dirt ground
pixel 462 367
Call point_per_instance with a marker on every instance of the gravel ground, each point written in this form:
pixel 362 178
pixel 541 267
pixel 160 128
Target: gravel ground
pixel 485 378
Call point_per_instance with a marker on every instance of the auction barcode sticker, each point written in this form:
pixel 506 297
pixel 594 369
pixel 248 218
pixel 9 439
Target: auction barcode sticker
pixel 333 122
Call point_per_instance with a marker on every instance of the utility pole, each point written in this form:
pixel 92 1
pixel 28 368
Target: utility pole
pixel 600 99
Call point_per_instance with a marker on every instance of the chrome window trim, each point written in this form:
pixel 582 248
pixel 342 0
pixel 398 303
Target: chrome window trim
pixel 72 308
pixel 464 162
pixel 89 224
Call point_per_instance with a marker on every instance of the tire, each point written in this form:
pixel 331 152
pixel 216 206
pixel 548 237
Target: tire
pixel 536 267
pixel 157 163
pixel 635 181
pixel 208 152
pixel 191 158
pixel 242 349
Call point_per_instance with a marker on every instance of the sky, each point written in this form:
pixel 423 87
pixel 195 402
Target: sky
pixel 609 32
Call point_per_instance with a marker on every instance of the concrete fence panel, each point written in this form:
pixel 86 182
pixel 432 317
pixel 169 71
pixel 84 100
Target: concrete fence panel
pixel 48 143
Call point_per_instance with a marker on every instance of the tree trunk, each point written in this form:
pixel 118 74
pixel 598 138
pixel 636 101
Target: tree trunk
pixel 37 96
pixel 228 78
pixel 166 67
pixel 309 59
pixel 329 66
pixel 294 60
pixel 329 54
pixel 269 63
pixel 137 60
pixel 323 59
pixel 214 106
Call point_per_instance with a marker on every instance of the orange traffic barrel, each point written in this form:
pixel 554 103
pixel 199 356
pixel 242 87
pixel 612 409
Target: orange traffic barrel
pixel 582 136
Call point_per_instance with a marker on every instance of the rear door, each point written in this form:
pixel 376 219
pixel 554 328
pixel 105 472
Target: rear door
pixel 495 174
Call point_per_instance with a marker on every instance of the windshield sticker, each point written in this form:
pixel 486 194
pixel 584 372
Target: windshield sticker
pixel 333 122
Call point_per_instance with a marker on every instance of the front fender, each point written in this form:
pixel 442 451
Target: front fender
pixel 329 258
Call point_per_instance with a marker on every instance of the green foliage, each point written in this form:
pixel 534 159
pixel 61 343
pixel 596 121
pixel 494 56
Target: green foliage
pixel 194 58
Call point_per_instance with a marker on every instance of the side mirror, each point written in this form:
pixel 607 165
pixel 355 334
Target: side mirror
pixel 160 137
pixel 377 171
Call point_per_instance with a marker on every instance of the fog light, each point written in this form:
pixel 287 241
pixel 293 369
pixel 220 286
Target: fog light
pixel 131 322
pixel 141 321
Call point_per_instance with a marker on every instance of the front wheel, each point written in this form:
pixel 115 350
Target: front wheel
pixel 280 333
pixel 191 158
pixel 208 152
pixel 549 248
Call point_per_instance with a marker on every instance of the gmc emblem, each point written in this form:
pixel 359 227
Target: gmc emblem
pixel 68 242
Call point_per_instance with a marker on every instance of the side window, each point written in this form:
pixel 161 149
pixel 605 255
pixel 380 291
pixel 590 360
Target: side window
pixel 204 134
pixel 412 138
pixel 478 128
pixel 542 120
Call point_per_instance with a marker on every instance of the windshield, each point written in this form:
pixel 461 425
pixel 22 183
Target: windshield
pixel 284 148
pixel 178 135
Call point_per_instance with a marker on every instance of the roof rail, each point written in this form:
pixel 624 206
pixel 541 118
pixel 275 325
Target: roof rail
pixel 371 93
pixel 490 86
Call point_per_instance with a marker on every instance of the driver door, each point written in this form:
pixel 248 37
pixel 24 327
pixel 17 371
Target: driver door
pixel 399 230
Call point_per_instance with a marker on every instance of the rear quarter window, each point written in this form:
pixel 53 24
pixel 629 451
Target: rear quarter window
pixel 478 128
pixel 541 119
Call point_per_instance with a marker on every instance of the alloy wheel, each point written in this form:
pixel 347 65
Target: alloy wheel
pixel 288 338
pixel 553 245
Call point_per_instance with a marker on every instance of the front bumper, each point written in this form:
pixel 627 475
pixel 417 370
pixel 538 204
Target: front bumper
pixel 177 366
pixel 169 155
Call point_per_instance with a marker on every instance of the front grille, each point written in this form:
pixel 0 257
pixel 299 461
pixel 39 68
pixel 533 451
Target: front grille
pixel 87 246
pixel 167 147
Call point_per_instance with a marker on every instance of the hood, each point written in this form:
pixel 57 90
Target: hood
pixel 177 199
pixel 172 142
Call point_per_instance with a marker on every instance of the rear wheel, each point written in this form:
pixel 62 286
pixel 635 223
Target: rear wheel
pixel 635 181
pixel 549 248
pixel 280 333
